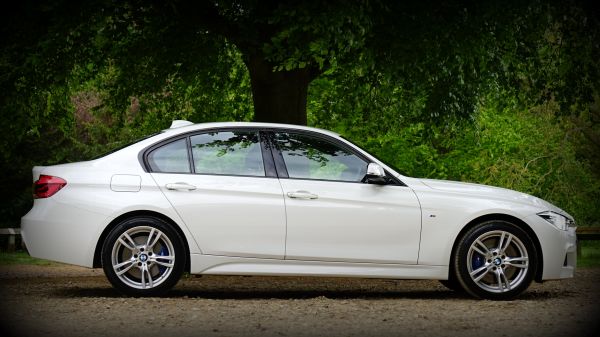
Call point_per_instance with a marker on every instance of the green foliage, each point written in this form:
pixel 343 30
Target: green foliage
pixel 535 151
pixel 316 33
pixel 530 151
pixel 590 254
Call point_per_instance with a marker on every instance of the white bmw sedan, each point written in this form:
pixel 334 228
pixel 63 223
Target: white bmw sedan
pixel 271 199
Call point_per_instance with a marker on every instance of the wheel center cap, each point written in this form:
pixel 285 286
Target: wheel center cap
pixel 497 261
pixel 143 257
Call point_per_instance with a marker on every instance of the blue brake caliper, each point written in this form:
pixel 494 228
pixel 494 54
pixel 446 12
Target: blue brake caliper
pixel 163 252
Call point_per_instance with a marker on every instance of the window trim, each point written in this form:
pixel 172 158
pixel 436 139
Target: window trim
pixel 268 165
pixel 268 161
pixel 274 164
pixel 278 161
pixel 393 180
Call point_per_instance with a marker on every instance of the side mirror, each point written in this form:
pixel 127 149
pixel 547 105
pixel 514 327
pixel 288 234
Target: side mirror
pixel 375 175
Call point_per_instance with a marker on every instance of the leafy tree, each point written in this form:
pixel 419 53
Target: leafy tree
pixel 283 44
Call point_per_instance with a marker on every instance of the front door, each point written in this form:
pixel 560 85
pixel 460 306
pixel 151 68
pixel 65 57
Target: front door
pixel 333 216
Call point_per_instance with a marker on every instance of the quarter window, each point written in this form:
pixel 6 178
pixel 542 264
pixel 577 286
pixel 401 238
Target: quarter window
pixel 308 157
pixel 228 152
pixel 170 158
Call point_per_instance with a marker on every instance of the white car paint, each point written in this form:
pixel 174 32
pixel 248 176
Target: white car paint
pixel 380 224
pixel 231 216
pixel 248 226
pixel 455 204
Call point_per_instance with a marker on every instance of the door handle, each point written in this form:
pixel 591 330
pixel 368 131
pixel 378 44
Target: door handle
pixel 302 195
pixel 180 186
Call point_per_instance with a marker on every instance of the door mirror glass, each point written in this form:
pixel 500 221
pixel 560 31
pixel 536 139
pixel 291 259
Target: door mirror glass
pixel 375 174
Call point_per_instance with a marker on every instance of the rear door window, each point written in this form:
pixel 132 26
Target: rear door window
pixel 228 153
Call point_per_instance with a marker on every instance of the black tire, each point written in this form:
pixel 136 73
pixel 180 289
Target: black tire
pixel 452 283
pixel 502 268
pixel 143 256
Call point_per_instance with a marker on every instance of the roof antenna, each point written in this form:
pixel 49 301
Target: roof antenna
pixel 179 123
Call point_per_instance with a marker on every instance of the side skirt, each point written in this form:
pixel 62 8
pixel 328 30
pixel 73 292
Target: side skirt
pixel 226 265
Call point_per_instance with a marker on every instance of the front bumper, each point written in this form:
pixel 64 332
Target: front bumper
pixel 559 249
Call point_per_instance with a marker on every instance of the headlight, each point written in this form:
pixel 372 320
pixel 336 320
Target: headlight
pixel 558 220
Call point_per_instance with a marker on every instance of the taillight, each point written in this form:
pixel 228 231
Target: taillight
pixel 47 186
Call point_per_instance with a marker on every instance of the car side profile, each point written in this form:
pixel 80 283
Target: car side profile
pixel 271 199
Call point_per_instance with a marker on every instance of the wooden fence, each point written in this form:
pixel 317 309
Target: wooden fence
pixel 12 234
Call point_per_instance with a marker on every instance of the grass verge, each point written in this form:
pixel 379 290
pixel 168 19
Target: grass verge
pixel 590 254
pixel 21 257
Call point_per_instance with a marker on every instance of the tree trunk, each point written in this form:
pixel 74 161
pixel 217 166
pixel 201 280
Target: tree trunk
pixel 279 97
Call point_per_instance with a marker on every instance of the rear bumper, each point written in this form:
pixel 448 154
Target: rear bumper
pixel 60 232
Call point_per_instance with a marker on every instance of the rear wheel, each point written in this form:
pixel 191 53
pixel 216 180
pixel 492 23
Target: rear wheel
pixel 143 256
pixel 495 260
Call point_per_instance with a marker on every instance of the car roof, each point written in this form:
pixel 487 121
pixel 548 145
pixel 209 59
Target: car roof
pixel 201 126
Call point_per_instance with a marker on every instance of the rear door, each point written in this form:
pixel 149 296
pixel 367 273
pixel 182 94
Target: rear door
pixel 226 194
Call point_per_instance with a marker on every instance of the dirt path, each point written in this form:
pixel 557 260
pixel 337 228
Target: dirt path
pixel 70 301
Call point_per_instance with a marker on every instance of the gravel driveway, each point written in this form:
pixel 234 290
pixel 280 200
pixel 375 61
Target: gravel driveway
pixel 71 301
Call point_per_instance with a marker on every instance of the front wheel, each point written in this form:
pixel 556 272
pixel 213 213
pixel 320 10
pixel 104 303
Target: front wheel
pixel 495 260
pixel 143 256
pixel 452 283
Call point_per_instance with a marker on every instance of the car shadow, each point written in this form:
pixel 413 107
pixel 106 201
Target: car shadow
pixel 301 288
pixel 247 294
pixel 310 294
pixel 235 294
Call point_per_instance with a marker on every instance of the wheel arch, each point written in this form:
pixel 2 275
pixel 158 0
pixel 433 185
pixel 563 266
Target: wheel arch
pixel 509 218
pixel 98 250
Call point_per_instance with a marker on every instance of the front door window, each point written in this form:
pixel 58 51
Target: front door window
pixel 315 158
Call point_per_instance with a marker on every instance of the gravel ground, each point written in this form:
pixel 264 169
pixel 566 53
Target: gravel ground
pixel 70 301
